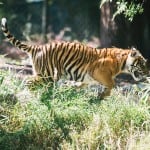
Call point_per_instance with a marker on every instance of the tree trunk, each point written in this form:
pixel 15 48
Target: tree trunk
pixel 44 21
pixel 107 25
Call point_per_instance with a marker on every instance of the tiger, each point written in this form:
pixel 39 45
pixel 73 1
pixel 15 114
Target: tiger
pixel 78 62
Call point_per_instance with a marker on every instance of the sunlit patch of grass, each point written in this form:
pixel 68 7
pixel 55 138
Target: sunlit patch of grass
pixel 66 118
pixel 114 125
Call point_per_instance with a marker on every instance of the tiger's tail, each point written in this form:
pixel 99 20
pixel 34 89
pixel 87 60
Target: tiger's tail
pixel 11 38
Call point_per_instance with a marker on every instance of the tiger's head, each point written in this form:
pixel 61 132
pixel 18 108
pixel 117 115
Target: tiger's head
pixel 136 65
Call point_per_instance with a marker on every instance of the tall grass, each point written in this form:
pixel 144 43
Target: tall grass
pixel 64 118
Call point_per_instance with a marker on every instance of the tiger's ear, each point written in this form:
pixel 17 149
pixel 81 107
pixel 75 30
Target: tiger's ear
pixel 133 48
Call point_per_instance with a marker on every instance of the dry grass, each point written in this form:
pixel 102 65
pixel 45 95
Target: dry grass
pixel 62 118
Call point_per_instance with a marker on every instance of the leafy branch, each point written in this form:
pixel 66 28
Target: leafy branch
pixel 128 9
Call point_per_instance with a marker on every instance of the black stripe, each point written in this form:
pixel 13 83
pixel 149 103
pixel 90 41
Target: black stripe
pixel 83 60
pixel 17 43
pixel 123 66
pixel 68 59
pixel 61 50
pixel 83 75
pixel 52 49
pixel 46 59
pixel 5 30
pixel 9 36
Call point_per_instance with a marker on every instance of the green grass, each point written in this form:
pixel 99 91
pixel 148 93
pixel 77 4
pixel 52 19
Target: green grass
pixel 64 118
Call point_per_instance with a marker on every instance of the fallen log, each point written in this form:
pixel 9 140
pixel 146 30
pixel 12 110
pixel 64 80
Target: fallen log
pixel 23 69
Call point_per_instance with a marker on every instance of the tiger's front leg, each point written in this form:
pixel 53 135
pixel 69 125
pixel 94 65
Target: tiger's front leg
pixel 105 79
pixel 106 93
pixel 108 87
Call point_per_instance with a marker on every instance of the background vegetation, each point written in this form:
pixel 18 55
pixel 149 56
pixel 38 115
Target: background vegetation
pixel 82 20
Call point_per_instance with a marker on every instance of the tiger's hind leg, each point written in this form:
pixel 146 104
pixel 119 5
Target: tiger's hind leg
pixel 36 81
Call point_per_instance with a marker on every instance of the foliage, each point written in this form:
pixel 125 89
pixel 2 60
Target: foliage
pixel 128 9
pixel 63 118
pixel 145 89
pixel 23 17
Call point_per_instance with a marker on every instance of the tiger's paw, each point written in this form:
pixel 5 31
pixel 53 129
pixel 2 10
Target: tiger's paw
pixel 33 83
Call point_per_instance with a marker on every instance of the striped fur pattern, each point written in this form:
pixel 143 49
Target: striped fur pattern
pixel 78 62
